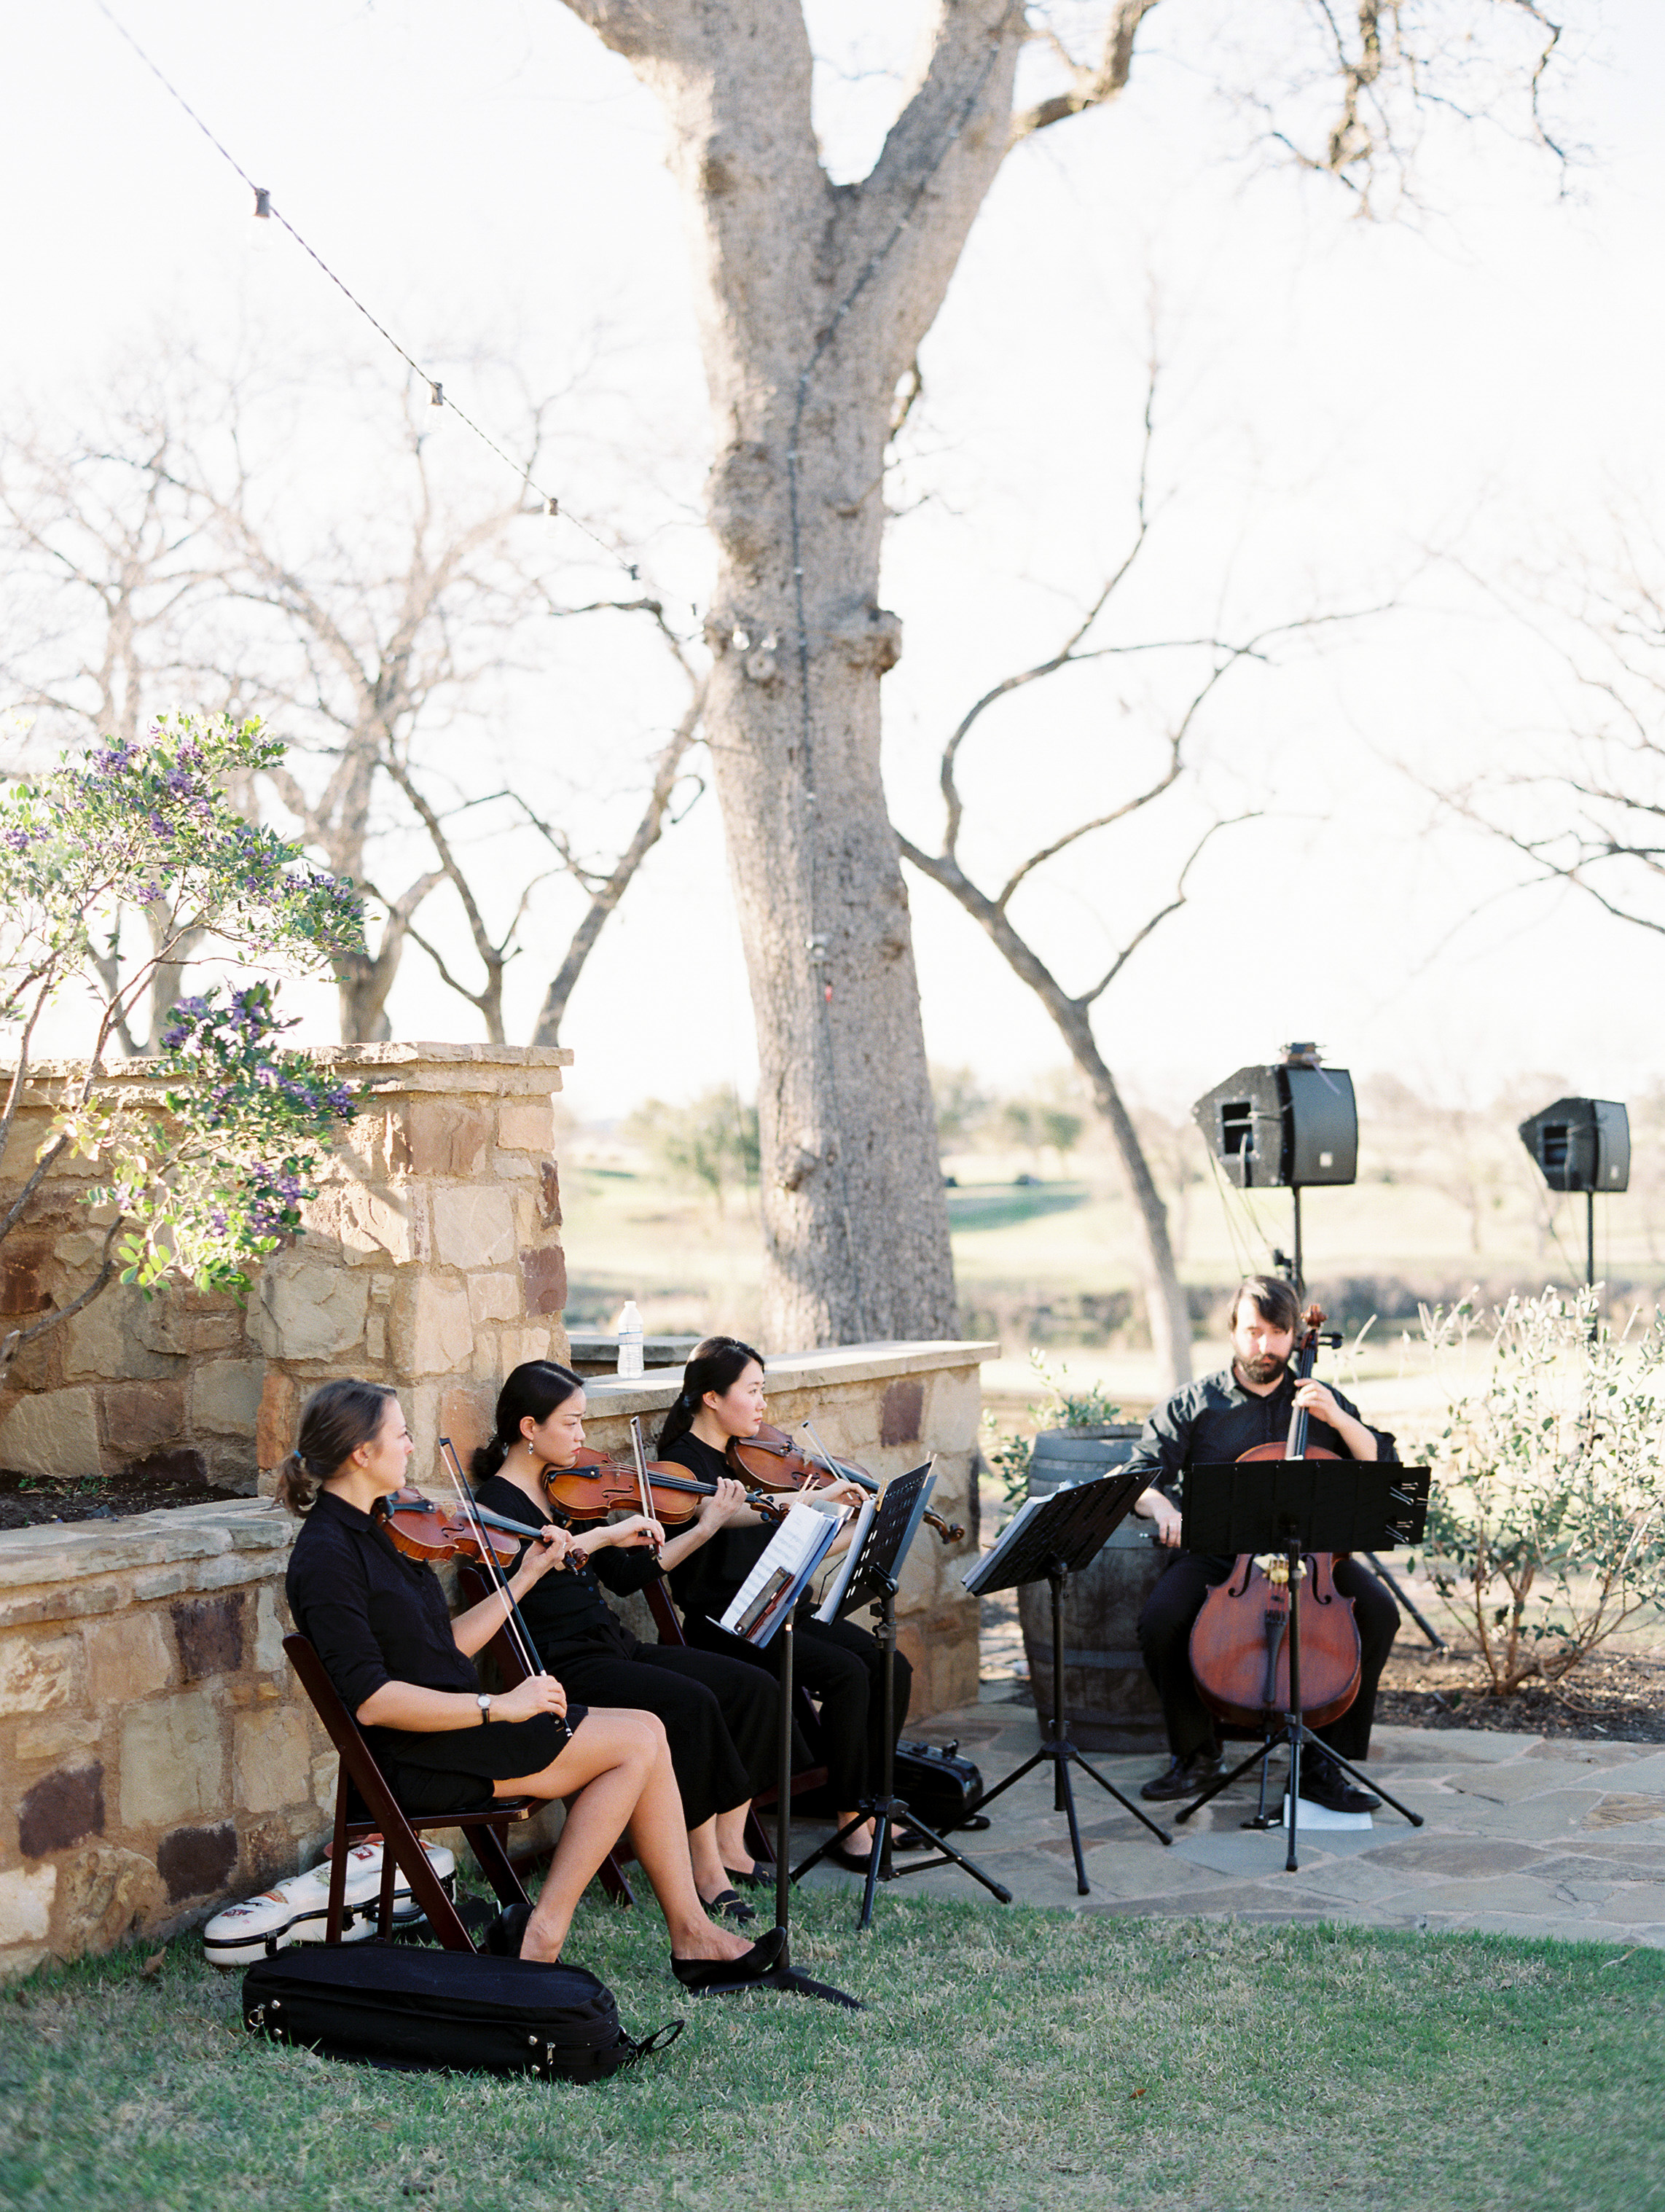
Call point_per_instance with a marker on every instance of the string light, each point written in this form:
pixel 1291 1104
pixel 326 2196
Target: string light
pixel 265 212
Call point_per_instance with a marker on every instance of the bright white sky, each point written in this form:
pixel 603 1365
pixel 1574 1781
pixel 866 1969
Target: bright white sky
pixel 1338 399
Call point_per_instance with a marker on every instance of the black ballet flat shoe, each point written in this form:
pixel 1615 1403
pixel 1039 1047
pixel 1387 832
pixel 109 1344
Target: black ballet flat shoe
pixel 756 1876
pixel 718 1973
pixel 729 1905
pixel 505 1934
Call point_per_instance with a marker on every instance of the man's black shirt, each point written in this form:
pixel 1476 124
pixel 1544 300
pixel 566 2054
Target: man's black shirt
pixel 1216 1419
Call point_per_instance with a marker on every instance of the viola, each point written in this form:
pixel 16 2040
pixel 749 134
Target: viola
pixel 1240 1640
pixel 596 1486
pixel 770 1461
pixel 423 1530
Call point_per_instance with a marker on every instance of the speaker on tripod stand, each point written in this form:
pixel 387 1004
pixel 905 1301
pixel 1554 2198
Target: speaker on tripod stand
pixel 1289 1126
pixel 1582 1144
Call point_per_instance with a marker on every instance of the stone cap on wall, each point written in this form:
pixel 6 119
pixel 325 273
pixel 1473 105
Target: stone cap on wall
pixel 41 1566
pixel 790 1370
pixel 515 1069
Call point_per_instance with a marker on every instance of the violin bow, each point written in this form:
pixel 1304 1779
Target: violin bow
pixel 835 1468
pixel 644 1488
pixel 525 1649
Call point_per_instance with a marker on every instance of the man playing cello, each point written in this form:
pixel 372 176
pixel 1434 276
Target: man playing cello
pixel 1218 1419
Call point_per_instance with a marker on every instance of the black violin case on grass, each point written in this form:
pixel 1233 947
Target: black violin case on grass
pixel 391 2005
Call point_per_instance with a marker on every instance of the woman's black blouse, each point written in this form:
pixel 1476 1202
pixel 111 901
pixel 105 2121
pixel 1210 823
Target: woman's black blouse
pixel 565 1612
pixel 704 1583
pixel 372 1615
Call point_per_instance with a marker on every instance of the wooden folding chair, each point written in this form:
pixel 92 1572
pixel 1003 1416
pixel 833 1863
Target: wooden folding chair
pixel 473 1588
pixel 399 1831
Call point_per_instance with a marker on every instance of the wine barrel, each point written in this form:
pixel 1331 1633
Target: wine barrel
pixel 1111 1702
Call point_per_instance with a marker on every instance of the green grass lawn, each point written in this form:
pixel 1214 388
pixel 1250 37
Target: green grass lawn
pixel 1008 2059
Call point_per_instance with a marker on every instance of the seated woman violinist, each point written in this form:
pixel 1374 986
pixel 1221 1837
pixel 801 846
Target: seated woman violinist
pixel 722 1396
pixel 720 1714
pixel 405 1669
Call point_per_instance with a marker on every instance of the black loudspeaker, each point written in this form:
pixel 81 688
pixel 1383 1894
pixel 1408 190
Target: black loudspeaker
pixel 1295 1124
pixel 1581 1144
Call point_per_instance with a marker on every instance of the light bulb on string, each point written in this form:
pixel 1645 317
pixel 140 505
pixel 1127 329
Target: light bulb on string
pixel 257 237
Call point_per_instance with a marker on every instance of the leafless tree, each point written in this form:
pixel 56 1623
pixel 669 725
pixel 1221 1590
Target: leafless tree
pixel 1582 801
pixel 159 562
pixel 814 300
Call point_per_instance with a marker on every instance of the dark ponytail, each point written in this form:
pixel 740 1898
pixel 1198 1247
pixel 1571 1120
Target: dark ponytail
pixel 717 1365
pixel 335 1421
pixel 535 1389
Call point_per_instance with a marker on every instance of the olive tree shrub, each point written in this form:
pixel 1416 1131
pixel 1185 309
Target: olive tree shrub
pixel 216 1178
pixel 1546 1525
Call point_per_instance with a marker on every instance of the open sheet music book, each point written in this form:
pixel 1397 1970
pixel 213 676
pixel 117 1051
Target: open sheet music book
pixel 777 1582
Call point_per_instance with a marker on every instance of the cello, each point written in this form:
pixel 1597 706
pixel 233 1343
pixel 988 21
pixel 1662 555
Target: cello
pixel 1240 1639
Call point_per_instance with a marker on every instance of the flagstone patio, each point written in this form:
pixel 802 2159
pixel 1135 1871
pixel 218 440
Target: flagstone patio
pixel 1524 1836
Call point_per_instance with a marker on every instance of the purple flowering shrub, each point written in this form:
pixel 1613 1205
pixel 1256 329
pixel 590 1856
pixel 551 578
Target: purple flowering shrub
pixel 218 1177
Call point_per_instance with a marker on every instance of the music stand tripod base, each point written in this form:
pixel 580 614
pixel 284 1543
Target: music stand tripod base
pixel 875 1576
pixel 1065 1533
pixel 1275 1506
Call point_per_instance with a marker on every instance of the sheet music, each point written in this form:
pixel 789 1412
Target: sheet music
pixel 797 1547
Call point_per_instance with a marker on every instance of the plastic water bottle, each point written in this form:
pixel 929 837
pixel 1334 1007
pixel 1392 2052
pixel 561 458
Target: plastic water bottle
pixel 630 1363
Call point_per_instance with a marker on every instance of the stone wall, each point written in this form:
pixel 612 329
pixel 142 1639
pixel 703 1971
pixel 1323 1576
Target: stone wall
pixel 155 1756
pixel 431 1259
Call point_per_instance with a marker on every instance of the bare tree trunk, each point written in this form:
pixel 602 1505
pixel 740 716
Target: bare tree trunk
pixel 813 300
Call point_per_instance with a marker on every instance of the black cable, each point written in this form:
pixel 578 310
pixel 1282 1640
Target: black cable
pixel 265 210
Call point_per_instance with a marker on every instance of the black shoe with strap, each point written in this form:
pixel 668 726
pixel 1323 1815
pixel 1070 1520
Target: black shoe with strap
pixel 1322 1783
pixel 1184 1776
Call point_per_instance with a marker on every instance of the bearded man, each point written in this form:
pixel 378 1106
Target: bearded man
pixel 1207 1422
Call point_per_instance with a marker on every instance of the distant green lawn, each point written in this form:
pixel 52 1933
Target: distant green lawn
pixel 1008 2059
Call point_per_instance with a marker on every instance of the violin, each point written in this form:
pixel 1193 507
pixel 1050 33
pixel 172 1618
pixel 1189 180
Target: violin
pixel 1240 1640
pixel 771 1461
pixel 423 1530
pixel 596 1486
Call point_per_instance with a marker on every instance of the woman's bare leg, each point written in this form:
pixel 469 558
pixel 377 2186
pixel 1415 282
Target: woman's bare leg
pixel 616 1761
pixel 710 1877
pixel 660 1841
pixel 731 1837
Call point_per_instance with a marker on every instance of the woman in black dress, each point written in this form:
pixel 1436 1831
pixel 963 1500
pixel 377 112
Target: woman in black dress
pixel 404 1668
pixel 722 1396
pixel 721 1716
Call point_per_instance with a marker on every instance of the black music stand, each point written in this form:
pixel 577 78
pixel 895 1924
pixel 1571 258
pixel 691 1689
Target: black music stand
pixel 873 1580
pixel 783 1975
pixel 1292 1506
pixel 1053 1538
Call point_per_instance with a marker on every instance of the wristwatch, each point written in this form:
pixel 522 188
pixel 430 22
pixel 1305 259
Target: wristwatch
pixel 485 1704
